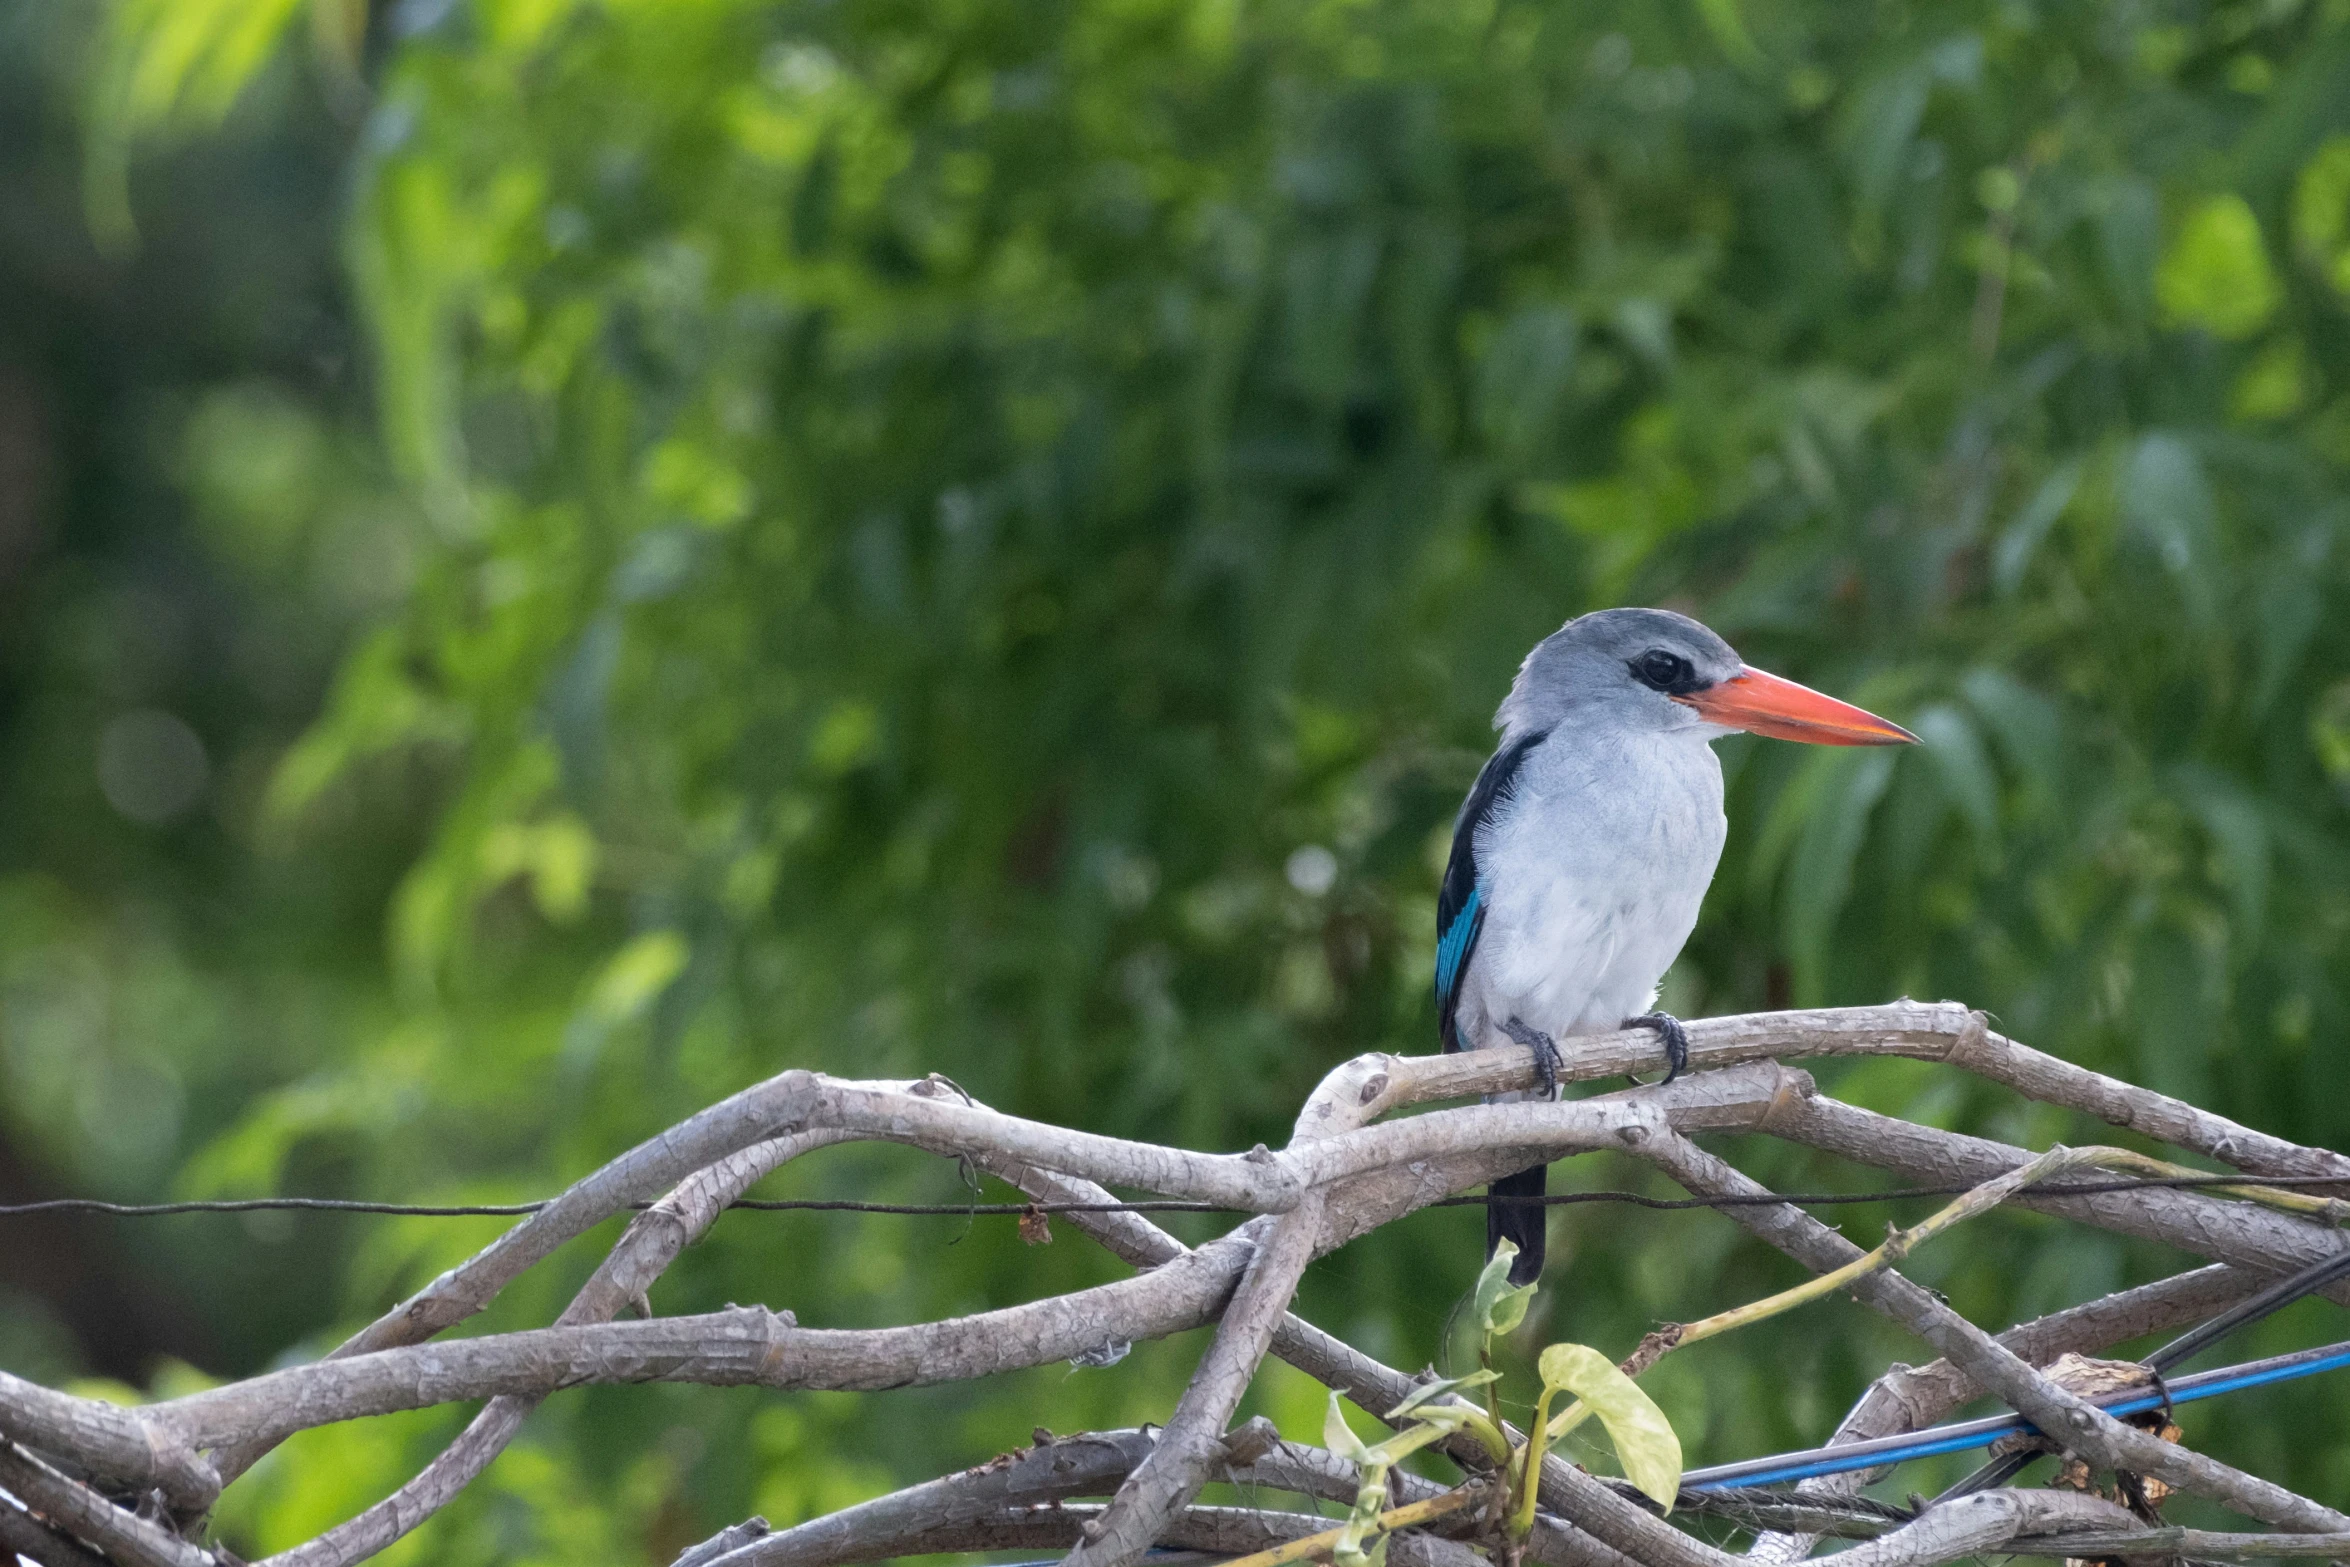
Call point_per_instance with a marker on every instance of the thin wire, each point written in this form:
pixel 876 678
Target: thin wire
pixel 962 1210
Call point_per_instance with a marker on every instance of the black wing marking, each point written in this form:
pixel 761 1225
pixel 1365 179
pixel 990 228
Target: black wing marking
pixel 1460 902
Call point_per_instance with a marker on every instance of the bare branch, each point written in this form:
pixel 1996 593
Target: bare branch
pixel 1172 1472
pixel 744 1346
pixel 108 1440
pixel 1918 1396
pixel 642 1254
pixel 2240 1233
pixel 21 1534
pixel 724 1541
pixel 1971 1525
pixel 1087 1464
pixel 1763 1511
pixel 1907 1398
pixel 1949 1031
pixel 1325 1146
pixel 1339 1178
pixel 1897 1245
pixel 68 1504
pixel 2046 1078
pixel 2078 1425
pixel 1134 1239
pixel 2194 1544
pixel 752 1345
pixel 762 1111
pixel 1224 1531
pixel 1091 1463
pixel 1370 1384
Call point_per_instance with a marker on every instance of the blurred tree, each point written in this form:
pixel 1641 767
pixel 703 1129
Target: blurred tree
pixel 985 537
pixel 176 428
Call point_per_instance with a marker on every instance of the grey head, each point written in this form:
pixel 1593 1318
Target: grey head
pixel 1620 666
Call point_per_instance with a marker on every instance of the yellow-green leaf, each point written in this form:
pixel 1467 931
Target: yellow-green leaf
pixel 637 975
pixel 2321 211
pixel 2215 274
pixel 1340 1437
pixel 1644 1439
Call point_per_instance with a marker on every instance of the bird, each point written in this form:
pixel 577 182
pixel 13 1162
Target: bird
pixel 1584 849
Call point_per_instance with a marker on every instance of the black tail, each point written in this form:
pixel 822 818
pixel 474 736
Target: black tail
pixel 1527 1223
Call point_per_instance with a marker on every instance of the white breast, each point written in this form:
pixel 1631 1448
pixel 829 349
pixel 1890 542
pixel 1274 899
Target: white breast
pixel 1593 876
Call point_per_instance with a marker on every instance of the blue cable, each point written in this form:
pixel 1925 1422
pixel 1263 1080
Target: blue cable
pixel 1963 1435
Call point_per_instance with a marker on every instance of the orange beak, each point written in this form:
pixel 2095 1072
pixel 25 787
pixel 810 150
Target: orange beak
pixel 1767 705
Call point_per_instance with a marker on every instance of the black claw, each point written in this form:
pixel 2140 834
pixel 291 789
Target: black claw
pixel 1547 1062
pixel 1676 1038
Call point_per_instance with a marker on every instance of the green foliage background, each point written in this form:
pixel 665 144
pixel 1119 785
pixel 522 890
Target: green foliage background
pixel 984 536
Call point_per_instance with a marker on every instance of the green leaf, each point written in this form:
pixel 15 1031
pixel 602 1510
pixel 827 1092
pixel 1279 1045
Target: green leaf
pixel 2291 606
pixel 1819 875
pixel 2031 525
pixel 1722 19
pixel 1644 1439
pixel 2129 237
pixel 1521 380
pixel 2167 500
pixel 1961 768
pixel 2027 726
pixel 2239 838
pixel 1499 1306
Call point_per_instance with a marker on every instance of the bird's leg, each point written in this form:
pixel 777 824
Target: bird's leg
pixel 1676 1038
pixel 1546 1054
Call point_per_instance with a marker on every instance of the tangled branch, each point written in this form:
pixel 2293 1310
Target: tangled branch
pixel 83 1481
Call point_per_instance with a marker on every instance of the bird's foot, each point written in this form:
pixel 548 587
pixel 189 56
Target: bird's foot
pixel 1676 1038
pixel 1546 1055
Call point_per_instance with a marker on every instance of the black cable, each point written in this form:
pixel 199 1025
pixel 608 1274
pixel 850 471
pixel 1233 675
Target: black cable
pixel 1147 1205
pixel 2244 1313
pixel 1996 1473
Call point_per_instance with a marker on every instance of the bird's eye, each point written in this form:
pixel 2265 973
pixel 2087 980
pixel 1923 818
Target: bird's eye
pixel 1663 671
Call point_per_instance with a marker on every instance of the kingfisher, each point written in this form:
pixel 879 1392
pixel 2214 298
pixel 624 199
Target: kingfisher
pixel 1583 851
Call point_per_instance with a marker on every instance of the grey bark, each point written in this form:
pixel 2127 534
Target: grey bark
pixel 1971 1525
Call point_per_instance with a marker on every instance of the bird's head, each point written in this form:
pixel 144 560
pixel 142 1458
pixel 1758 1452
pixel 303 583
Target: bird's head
pixel 1650 670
